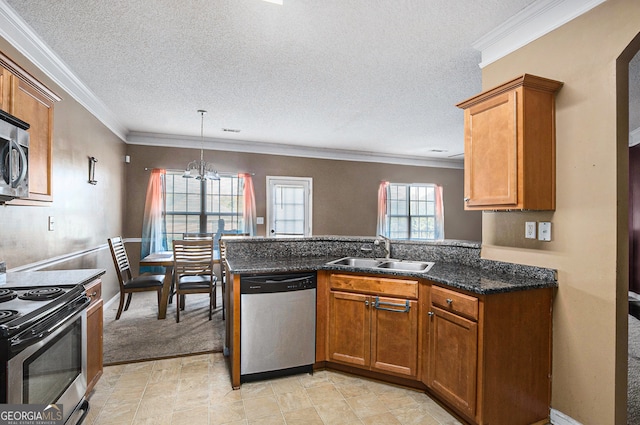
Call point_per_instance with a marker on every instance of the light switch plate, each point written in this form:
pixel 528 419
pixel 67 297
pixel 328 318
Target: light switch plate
pixel 50 225
pixel 530 230
pixel 259 220
pixel 544 231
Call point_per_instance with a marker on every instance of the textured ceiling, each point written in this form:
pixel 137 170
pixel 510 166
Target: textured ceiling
pixel 360 75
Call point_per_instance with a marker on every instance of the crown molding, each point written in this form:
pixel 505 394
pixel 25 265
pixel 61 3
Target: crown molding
pixel 17 32
pixel 531 23
pixel 167 140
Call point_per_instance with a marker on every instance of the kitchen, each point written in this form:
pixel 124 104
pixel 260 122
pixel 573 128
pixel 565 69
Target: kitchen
pixel 589 319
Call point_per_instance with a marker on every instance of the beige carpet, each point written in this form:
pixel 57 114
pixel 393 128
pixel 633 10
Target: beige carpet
pixel 138 334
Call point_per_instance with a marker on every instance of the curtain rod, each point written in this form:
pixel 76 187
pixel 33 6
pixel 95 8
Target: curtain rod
pixel 226 173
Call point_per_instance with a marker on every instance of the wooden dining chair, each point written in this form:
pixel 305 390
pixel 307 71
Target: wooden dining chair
pixel 193 270
pixel 128 284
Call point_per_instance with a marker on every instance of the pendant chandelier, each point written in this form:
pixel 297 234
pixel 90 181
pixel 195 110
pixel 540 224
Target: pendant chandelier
pixel 201 170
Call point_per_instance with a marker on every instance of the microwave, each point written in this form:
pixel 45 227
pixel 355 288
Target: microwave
pixel 14 157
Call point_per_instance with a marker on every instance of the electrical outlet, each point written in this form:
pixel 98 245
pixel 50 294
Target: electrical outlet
pixel 530 230
pixel 544 231
pixel 259 220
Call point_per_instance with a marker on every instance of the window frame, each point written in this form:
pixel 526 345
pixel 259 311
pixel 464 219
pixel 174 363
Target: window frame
pixel 412 207
pixel 204 213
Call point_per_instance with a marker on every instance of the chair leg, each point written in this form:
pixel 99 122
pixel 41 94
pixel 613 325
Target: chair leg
pixel 126 307
pixel 223 290
pixel 215 301
pixel 120 306
pixel 211 300
pixel 178 308
pixel 159 299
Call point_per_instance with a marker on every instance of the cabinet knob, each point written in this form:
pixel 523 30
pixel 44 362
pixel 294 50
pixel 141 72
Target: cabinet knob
pixel 431 313
pixel 467 199
pixel 94 294
pixel 449 301
pixel 366 302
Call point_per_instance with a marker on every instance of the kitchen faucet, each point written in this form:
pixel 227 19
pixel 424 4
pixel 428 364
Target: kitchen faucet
pixel 387 245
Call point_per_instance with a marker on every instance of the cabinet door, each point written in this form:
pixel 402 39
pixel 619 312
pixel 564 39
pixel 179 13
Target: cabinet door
pixel 32 107
pixel 394 336
pixel 94 344
pixel 349 328
pixel 453 358
pixel 5 89
pixel 491 152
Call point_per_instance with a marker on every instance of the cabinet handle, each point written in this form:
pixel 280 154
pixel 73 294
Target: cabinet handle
pixel 406 306
pixel 366 303
pixel 94 294
pixel 431 314
pixel 449 301
pixel 467 199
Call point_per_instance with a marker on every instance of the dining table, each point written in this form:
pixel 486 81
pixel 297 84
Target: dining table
pixel 165 259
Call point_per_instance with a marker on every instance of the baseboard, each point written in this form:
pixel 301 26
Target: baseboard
pixel 558 418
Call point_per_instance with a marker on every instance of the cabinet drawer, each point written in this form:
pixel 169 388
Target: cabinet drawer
pixel 93 290
pixel 405 288
pixel 455 302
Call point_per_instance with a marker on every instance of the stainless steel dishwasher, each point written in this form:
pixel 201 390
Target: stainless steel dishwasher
pixel 277 324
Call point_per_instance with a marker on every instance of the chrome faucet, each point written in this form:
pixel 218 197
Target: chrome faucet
pixel 387 245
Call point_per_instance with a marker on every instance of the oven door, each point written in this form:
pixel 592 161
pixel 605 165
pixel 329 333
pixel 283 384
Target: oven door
pixel 50 365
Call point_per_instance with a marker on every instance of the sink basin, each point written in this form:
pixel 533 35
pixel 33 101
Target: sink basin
pixel 413 266
pixel 356 262
pixel 375 263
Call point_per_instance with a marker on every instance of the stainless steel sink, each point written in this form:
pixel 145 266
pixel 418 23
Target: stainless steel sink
pixel 356 262
pixel 382 263
pixel 413 266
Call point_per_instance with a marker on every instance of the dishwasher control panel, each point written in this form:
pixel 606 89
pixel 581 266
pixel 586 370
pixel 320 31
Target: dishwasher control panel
pixel 261 284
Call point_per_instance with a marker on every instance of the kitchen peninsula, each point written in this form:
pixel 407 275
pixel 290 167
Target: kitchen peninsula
pixel 473 333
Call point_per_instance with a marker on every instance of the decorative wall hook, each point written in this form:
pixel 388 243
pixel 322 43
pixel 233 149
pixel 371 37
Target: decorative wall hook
pixel 92 170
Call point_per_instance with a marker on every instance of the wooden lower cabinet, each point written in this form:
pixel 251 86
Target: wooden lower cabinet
pixel 453 359
pixel 94 334
pixel 487 357
pixel 375 333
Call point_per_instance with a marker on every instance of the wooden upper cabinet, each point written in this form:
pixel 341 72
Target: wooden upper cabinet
pixel 509 146
pixel 28 99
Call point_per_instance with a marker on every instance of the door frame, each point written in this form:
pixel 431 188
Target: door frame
pixel 298 181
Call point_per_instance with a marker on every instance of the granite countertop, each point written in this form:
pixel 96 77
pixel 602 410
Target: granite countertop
pixel 473 279
pixel 52 277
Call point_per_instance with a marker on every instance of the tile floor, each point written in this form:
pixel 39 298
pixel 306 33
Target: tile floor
pixel 195 390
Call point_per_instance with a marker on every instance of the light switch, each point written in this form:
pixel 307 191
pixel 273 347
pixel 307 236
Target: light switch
pixel 544 231
pixel 530 230
pixel 51 222
pixel 259 220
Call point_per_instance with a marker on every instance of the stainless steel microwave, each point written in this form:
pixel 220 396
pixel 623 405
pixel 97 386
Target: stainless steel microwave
pixel 14 157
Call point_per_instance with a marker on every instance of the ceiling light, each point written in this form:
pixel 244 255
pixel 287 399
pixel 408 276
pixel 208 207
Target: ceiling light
pixel 201 170
pixel 274 1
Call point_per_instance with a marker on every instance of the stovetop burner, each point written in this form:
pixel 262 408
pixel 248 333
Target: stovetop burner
pixel 7 294
pixel 42 294
pixel 7 315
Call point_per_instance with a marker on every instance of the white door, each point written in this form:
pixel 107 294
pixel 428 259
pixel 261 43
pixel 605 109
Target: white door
pixel 289 206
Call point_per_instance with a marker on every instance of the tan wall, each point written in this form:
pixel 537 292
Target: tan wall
pixel 344 192
pixel 85 215
pixel 589 240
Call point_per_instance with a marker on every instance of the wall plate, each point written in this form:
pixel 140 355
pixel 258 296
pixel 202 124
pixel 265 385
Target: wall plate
pixel 544 231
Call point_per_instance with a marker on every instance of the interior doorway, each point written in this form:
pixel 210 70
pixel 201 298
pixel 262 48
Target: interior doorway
pixel 629 62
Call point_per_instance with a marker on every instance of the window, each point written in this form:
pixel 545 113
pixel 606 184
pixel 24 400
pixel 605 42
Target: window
pixel 414 211
pixel 203 206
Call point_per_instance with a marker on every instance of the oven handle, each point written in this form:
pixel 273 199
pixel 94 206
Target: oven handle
pixel 80 304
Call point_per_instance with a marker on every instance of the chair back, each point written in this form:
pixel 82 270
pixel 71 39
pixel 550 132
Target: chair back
pixel 120 259
pixel 193 257
pixel 197 236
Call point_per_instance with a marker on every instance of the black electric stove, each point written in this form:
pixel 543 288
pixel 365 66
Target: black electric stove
pixel 22 307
